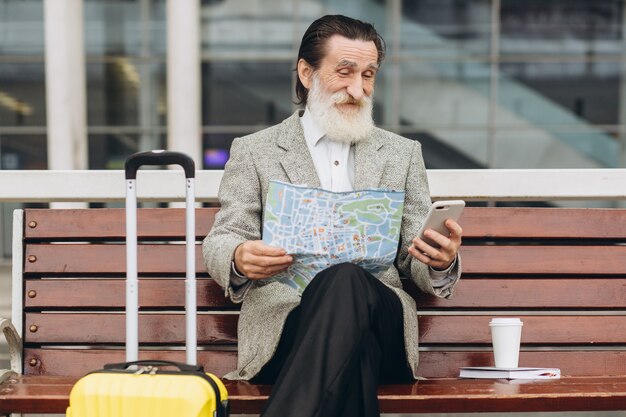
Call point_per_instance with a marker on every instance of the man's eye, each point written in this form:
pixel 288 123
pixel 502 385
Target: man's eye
pixel 344 72
pixel 369 74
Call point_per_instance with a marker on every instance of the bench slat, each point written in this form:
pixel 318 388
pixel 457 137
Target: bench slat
pixel 169 259
pixel 471 293
pixel 96 328
pixel 107 259
pixel 77 362
pixel 110 293
pixel 222 328
pixel 110 224
pixel 433 364
pixel 538 223
pixel 562 260
pixel 476 221
pixel 522 293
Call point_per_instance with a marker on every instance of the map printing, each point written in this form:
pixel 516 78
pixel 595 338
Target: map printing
pixel 322 228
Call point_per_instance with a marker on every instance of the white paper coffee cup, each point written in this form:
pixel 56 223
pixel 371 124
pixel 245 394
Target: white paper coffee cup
pixel 506 335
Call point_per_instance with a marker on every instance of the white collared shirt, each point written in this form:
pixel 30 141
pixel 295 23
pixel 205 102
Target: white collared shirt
pixel 334 161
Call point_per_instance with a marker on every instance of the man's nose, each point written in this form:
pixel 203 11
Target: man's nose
pixel 355 88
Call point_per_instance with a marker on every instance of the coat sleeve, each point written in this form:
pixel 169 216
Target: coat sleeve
pixel 416 204
pixel 238 220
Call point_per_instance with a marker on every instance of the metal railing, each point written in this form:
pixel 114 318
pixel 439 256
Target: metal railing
pixel 470 185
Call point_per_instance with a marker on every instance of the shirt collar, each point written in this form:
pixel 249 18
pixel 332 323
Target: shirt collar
pixel 312 132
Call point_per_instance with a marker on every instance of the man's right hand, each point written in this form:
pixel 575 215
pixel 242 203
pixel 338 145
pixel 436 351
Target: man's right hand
pixel 256 260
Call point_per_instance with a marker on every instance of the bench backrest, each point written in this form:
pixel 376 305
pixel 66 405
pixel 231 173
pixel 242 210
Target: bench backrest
pixel 563 271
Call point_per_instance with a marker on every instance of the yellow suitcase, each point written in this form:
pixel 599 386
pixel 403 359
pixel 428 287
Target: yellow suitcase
pixel 149 389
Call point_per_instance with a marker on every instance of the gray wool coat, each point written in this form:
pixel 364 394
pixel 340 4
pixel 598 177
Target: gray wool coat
pixel 383 160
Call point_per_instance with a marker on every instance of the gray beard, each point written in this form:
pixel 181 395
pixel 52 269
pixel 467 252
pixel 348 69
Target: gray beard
pixel 340 127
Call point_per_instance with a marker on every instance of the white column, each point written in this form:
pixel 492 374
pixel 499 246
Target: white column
pixel 392 66
pixel 183 78
pixel 622 105
pixel 66 108
pixel 65 85
pixel 148 89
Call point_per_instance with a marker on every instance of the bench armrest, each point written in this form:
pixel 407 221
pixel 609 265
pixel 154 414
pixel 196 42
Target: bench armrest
pixel 15 344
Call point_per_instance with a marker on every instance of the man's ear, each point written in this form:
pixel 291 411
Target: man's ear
pixel 305 73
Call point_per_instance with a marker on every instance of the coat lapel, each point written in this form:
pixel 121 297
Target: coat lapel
pixel 296 160
pixel 369 163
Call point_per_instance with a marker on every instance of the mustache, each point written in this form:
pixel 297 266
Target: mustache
pixel 343 97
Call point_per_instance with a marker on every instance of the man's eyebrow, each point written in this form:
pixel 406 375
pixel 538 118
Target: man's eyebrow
pixel 352 64
pixel 346 63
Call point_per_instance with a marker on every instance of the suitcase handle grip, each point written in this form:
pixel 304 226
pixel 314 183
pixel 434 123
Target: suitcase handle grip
pixel 158 157
pixel 179 365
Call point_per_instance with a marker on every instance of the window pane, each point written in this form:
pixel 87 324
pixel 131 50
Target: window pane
pixel 562 27
pixel 125 27
pixel 445 148
pixel 21 27
pixel 110 150
pixel 246 93
pixel 540 148
pixel 123 92
pixel 559 93
pixel 216 149
pixel 445 28
pixel 371 11
pixel 244 27
pixel 22 95
pixel 445 94
pixel 23 152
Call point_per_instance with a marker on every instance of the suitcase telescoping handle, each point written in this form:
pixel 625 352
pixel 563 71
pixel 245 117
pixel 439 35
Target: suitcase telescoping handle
pixel 132 165
pixel 159 158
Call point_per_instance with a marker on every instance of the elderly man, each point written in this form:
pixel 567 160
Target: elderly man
pixel 327 350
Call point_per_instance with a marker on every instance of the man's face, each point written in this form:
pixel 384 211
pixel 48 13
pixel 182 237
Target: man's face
pixel 340 91
pixel 349 66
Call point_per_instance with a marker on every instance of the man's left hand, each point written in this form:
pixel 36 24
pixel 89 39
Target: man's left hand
pixel 442 257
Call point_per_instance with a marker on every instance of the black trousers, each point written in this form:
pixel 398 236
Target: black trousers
pixel 344 338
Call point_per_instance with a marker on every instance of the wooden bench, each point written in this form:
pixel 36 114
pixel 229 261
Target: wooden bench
pixel 563 271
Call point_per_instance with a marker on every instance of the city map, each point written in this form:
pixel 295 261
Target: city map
pixel 322 228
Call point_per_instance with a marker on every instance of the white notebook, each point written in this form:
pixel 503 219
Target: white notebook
pixel 509 373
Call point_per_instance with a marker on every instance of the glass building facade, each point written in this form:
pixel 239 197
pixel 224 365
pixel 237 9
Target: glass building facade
pixel 481 83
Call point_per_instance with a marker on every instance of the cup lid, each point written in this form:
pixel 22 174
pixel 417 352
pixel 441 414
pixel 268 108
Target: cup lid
pixel 505 321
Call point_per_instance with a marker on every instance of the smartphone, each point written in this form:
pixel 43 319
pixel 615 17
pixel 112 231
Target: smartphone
pixel 438 213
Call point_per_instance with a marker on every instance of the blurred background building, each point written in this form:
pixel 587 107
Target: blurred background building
pixel 482 83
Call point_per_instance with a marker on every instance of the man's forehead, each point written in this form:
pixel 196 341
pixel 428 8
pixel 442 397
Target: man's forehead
pixel 341 50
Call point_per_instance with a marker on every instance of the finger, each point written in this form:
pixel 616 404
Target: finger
pixel 438 238
pixel 268 261
pixel 269 270
pixel 455 229
pixel 435 257
pixel 259 248
pixel 425 248
pixel 257 272
pixel 420 256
